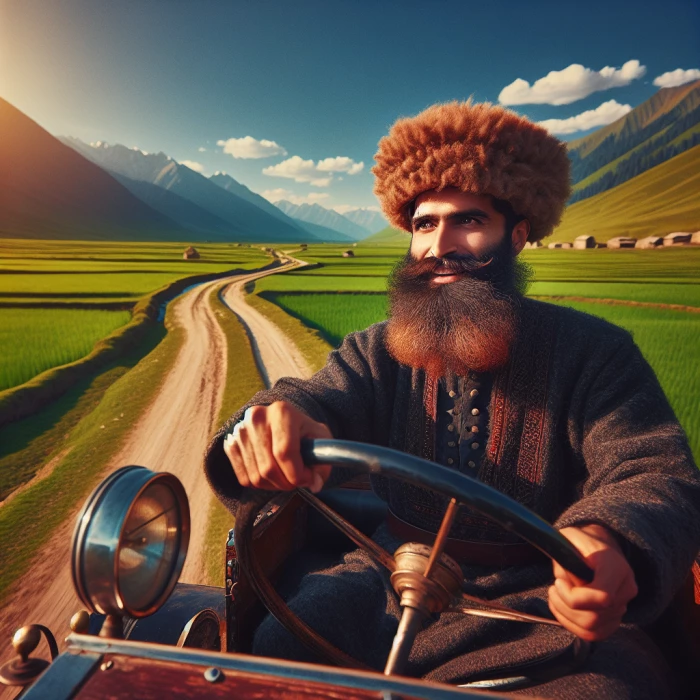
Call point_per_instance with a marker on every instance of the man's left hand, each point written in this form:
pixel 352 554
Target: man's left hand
pixel 593 611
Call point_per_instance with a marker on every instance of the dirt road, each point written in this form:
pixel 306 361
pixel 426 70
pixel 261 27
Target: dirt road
pixel 171 436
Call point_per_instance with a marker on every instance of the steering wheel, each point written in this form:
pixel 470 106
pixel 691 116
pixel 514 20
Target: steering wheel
pixel 429 587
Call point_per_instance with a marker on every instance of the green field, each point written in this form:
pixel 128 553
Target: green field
pixel 344 295
pixel 35 340
pixel 45 278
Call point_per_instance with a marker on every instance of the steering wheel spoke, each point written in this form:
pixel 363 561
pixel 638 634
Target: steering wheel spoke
pixel 380 555
pixel 471 605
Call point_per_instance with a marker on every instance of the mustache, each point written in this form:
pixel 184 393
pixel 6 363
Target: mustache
pixel 452 263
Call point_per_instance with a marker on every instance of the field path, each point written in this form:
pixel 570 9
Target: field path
pixel 276 355
pixel 172 436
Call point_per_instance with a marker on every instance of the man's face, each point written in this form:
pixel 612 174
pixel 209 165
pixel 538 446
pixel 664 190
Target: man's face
pixel 455 222
pixel 454 298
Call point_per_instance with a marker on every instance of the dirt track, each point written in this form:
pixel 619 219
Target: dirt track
pixel 170 437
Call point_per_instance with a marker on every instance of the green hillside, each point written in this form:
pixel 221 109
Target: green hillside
pixel 659 201
pixel 656 131
pixel 388 236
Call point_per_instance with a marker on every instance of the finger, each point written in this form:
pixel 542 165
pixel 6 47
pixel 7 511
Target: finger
pixel 576 600
pixel 583 597
pixel 587 625
pixel 260 438
pixel 234 455
pixel 561 573
pixel 286 446
pixel 249 460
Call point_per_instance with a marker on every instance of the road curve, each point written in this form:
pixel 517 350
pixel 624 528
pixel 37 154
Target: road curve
pixel 171 436
pixel 276 355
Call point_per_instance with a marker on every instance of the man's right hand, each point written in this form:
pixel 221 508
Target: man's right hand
pixel 265 449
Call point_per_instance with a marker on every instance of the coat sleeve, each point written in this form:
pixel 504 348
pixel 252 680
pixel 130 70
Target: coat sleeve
pixel 641 481
pixel 351 394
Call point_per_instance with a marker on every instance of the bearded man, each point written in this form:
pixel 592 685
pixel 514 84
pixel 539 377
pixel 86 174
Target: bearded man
pixel 554 408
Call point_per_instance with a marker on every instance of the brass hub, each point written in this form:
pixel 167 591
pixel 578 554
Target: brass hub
pixel 429 595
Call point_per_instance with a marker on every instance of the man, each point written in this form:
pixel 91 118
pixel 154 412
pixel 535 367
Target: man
pixel 555 408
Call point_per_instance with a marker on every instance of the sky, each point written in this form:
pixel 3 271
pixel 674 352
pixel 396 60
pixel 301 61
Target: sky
pixel 291 98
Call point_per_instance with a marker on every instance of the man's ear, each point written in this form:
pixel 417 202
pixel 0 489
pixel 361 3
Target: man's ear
pixel 521 231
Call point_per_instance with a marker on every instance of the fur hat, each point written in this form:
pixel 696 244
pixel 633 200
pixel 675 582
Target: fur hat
pixel 478 148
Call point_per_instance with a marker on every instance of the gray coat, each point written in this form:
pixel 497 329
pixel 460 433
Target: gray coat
pixel 579 431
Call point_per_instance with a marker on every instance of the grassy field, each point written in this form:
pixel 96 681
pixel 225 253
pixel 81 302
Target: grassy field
pixel 82 447
pixel 34 341
pixel 342 295
pixel 46 277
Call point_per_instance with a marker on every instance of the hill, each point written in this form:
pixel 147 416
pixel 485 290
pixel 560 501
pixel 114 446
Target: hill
pixel 659 201
pixel 389 236
pixel 47 190
pixel 655 131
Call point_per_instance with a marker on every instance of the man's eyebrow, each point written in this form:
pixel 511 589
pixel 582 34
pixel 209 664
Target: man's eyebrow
pixel 454 215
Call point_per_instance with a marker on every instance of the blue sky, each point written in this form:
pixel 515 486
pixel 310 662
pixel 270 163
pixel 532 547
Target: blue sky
pixel 322 81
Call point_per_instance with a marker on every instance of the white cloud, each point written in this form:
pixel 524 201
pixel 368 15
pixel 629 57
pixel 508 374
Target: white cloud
pixel 193 165
pixel 573 83
pixel 607 113
pixel 677 77
pixel 318 174
pixel 345 208
pixel 201 149
pixel 248 147
pixel 340 164
pixel 279 193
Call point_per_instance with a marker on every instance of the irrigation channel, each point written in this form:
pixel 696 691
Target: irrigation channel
pixel 171 436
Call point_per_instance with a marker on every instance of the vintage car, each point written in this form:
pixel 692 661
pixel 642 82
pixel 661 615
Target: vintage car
pixel 151 637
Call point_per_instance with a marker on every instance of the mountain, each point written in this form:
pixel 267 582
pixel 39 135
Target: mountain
pixel 316 214
pixel 227 183
pixel 245 220
pixel 369 219
pixel 657 130
pixel 327 235
pixel 179 209
pixel 47 190
pixel 661 200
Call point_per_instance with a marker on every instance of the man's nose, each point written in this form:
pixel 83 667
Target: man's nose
pixel 443 242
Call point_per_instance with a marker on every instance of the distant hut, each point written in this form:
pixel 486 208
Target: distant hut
pixel 678 238
pixel 304 246
pixel 695 238
pixel 348 253
pixel 534 244
pixel 191 254
pixel 552 246
pixel 622 242
pixel 582 242
pixel 650 242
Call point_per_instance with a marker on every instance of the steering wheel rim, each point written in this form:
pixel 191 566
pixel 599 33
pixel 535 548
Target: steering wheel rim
pixel 373 459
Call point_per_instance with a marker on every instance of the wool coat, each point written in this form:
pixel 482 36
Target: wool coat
pixel 580 431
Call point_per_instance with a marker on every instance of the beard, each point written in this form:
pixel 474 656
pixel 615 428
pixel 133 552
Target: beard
pixel 468 324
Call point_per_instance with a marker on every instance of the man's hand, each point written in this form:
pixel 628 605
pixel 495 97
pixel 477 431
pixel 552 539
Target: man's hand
pixel 593 611
pixel 265 448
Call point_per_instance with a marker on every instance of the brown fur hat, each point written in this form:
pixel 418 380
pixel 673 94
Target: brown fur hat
pixel 479 148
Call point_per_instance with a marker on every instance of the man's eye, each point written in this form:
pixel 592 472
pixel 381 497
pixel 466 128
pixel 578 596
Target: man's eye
pixel 469 220
pixel 423 225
